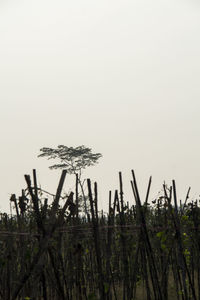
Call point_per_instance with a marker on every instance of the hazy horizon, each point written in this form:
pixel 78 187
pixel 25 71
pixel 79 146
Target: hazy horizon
pixel 121 77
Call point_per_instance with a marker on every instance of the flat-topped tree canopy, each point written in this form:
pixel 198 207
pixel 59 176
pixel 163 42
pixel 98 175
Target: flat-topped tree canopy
pixel 73 159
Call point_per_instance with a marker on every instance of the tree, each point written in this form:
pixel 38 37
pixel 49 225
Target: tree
pixel 74 160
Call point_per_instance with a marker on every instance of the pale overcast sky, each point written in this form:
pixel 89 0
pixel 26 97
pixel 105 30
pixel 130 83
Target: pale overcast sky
pixel 122 77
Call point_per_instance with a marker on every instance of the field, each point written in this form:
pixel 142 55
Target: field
pixel 140 251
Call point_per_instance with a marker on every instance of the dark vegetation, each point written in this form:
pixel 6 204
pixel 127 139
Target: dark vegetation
pixel 135 251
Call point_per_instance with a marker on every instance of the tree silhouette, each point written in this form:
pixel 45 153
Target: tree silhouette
pixel 74 160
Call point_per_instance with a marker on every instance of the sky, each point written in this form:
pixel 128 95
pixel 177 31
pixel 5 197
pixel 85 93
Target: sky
pixel 121 77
